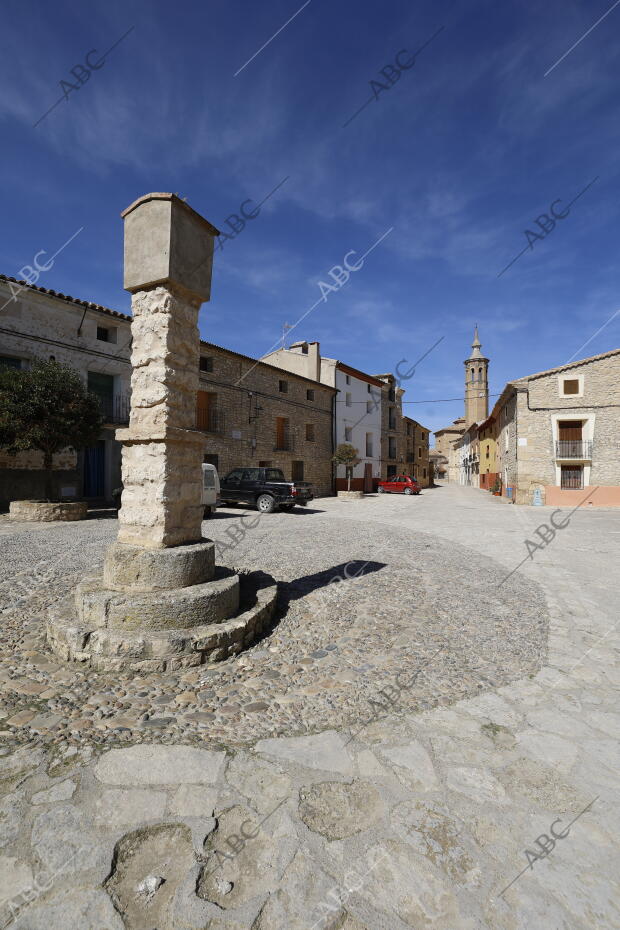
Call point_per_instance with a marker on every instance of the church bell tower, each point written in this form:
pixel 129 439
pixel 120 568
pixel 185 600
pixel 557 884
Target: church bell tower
pixel 476 384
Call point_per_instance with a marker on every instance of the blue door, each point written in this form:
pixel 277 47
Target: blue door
pixel 94 470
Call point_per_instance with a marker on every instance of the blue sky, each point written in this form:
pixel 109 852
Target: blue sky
pixel 450 165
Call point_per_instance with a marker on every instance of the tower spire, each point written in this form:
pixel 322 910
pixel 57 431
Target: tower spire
pixel 475 346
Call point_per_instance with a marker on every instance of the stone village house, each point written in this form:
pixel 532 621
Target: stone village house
pixel 249 413
pixel 558 431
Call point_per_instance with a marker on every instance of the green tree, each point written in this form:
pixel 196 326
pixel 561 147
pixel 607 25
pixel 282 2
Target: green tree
pixel 347 455
pixel 46 408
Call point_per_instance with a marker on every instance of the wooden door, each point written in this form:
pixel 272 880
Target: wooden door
pixel 570 443
pixel 282 433
pixel 570 429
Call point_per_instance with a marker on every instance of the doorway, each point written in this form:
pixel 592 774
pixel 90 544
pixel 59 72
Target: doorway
pixel 94 470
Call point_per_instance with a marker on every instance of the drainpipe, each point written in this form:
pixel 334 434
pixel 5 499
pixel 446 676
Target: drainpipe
pixel 334 467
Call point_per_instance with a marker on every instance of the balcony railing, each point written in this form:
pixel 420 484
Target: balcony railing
pixel 115 409
pixel 210 420
pixel 285 443
pixel 573 449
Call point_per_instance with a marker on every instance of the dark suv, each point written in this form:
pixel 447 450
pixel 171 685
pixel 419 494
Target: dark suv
pixel 264 488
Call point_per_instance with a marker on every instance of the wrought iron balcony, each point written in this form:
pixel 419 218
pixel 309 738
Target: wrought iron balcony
pixel 573 449
pixel 210 420
pixel 115 409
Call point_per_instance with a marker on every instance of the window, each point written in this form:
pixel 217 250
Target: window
pixel 206 363
pixel 392 394
pixel 283 386
pixel 103 387
pixel 368 388
pixel 264 463
pixel 310 394
pixel 419 452
pixel 424 473
pixel 423 436
pixel 572 477
pixel 348 433
pixel 391 448
pixel 368 406
pixel 310 432
pixel 347 378
pixel 212 460
pixel 570 386
pixel 297 471
pixel 369 452
pixel 348 400
pixel 106 333
pixel 7 361
pixel 472 374
pixel 274 474
pixel 392 418
pixel 408 429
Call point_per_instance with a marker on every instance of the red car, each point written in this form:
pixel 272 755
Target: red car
pixel 399 484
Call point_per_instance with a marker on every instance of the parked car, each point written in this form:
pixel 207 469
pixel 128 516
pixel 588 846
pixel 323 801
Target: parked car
pixel 264 488
pixel 399 484
pixel 210 489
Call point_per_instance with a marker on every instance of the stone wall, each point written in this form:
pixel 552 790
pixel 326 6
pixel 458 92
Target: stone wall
pixel 46 326
pixel 246 404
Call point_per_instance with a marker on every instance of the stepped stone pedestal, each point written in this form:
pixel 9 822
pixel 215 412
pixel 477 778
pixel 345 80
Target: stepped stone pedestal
pixel 161 602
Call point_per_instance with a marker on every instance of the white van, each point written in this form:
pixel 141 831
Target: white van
pixel 210 489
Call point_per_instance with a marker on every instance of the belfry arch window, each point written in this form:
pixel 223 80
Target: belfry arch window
pixel 472 374
pixel 480 374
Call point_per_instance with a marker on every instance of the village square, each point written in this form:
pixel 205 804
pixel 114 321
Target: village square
pixel 311 632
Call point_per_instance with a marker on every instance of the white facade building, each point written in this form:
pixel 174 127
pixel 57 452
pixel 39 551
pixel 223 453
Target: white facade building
pixel 357 420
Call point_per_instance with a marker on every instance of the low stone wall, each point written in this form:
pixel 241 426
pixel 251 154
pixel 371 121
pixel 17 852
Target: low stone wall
pixel 47 511
pixel 351 495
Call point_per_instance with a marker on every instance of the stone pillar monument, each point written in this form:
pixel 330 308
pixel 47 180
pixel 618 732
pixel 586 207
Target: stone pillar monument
pixel 168 262
pixel 162 603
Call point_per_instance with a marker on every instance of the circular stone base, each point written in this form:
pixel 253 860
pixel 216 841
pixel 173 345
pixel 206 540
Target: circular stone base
pixel 178 608
pixel 139 569
pixel 162 650
pixel 47 511
pixel 351 495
